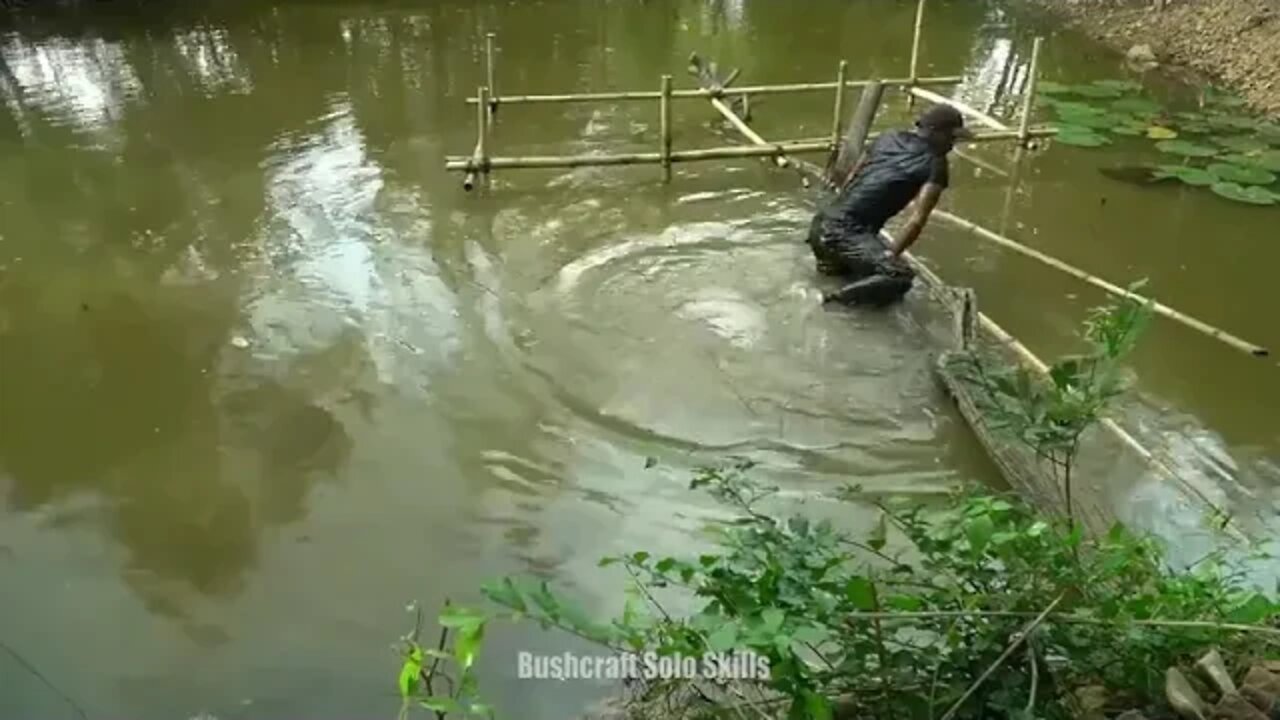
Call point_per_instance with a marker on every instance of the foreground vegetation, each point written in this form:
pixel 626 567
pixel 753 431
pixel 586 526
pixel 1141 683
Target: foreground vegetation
pixel 977 607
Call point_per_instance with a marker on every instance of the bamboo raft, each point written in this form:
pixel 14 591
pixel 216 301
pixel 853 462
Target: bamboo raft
pixel 971 330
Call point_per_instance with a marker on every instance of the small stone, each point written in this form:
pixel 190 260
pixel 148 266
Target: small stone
pixel 1182 697
pixel 1093 702
pixel 1141 54
pixel 1212 667
pixel 1261 681
pixel 240 342
pixel 1235 707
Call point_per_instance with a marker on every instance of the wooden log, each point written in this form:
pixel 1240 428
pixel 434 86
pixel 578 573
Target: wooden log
pixel 700 93
pixel 666 128
pixel 855 139
pixel 1029 97
pixel 838 116
pixel 1203 327
pixel 965 109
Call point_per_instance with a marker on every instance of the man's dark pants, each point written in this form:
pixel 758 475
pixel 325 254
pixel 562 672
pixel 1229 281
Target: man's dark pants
pixel 857 255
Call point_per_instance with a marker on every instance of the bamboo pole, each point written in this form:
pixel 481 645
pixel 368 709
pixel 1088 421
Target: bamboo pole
pixel 666 128
pixel 855 139
pixel 1002 337
pixel 1028 98
pixel 489 74
pixel 745 129
pixel 838 115
pixel 479 162
pixel 961 106
pixel 1203 327
pixel 915 51
pixel 979 162
pixel 701 93
pixel 472 163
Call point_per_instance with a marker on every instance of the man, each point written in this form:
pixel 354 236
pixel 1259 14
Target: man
pixel 898 167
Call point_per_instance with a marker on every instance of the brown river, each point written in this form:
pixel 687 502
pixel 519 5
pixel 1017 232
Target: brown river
pixel 267 374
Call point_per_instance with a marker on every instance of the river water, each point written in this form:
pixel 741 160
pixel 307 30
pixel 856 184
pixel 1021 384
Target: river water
pixel 267 373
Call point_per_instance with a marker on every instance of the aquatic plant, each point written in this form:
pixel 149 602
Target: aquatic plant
pixel 1241 150
pixel 974 607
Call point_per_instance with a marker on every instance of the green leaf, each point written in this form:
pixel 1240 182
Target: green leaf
pixel 1156 132
pixel 816 706
pixel 907 603
pixel 1048 87
pixel 458 616
pixel 640 557
pixel 724 638
pixel 979 531
pixel 665 564
pixel 506 594
pixel 1268 160
pixel 1080 137
pixel 812 635
pixel 799 525
pixel 441 704
pixel 1253 611
pixel 879 535
pixel 1240 144
pixel 1189 175
pixel 1252 195
pixel 482 710
pixel 1128 130
pixel 1122 86
pixel 1243 175
pixel 861 593
pixel 1186 149
pixel 410 677
pixel 772 619
pixel 1096 90
pixel 1136 106
pixel 467 644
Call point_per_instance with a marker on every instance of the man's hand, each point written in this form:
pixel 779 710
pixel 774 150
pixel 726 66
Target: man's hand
pixel 926 201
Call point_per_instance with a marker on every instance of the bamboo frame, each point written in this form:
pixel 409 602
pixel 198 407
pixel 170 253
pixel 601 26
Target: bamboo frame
pixel 489 74
pixel 665 112
pixel 1029 97
pixel 701 93
pixel 1168 312
pixel 479 161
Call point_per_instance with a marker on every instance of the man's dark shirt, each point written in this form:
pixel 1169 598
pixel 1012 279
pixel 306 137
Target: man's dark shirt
pixel 897 165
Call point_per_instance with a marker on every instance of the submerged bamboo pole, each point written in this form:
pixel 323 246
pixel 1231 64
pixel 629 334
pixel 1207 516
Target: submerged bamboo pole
pixel 961 106
pixel 488 74
pixel 838 115
pixel 779 159
pixel 1203 327
pixel 915 51
pixel 1029 97
pixel 1001 336
pixel 666 128
pixel 702 93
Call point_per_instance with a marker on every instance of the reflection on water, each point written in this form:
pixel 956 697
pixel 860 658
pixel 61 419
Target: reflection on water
pixel 266 373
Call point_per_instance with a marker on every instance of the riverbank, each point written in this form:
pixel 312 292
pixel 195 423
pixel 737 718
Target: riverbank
pixel 1236 42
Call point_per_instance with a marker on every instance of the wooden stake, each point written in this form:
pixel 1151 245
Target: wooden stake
pixel 666 128
pixel 489 70
pixel 859 130
pixel 1028 98
pixel 1213 332
pixel 838 115
pixel 961 106
pixel 915 50
pixel 701 93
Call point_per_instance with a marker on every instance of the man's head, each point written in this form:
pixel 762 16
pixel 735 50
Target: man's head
pixel 942 125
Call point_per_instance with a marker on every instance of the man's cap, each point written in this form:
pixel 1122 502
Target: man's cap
pixel 944 118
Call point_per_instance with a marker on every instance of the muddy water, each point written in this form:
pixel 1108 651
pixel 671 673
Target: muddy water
pixel 267 373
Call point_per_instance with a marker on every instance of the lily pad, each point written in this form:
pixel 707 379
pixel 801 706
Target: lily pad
pixel 1240 144
pixel 1232 122
pixel 1270 132
pixel 1137 106
pixel 1186 149
pixel 1268 160
pixel 1155 132
pixel 1048 87
pixel 1130 130
pixel 1080 136
pixel 1096 91
pixel 1253 195
pixel 1242 174
pixel 1119 85
pixel 1188 175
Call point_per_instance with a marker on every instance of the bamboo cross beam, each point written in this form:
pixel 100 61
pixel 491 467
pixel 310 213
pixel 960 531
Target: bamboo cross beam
pixel 964 109
pixel 1193 323
pixel 702 93
pixel 1001 336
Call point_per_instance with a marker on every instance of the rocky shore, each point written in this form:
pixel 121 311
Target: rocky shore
pixel 1234 42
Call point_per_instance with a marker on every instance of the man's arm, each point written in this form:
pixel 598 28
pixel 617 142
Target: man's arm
pixel 926 201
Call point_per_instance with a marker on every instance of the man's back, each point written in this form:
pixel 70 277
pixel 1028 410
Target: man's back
pixel 897 165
